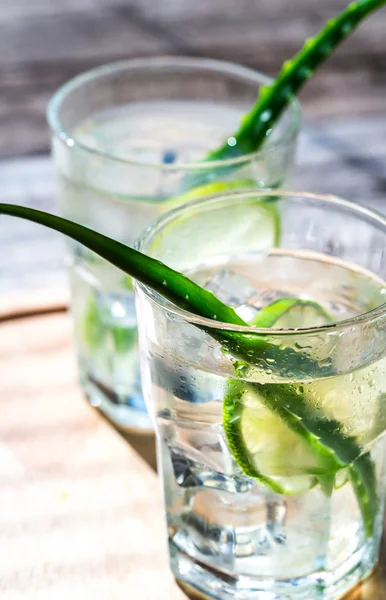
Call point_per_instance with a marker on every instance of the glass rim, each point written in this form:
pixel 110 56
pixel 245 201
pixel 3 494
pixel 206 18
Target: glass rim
pixel 66 137
pixel 167 218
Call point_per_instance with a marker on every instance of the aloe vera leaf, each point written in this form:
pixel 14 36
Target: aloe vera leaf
pixel 171 284
pixel 187 295
pixel 274 98
pixel 269 204
pixel 176 287
pixel 364 481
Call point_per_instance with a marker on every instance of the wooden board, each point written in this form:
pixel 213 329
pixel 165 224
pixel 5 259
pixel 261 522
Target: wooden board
pixel 80 511
pixel 43 44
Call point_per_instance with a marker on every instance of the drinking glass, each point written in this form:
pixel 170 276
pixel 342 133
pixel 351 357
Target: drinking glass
pixel 129 140
pixel 270 439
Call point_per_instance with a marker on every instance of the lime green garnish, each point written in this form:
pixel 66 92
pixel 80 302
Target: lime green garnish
pixel 262 444
pixel 260 441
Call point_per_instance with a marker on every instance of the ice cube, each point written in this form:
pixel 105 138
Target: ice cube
pixel 263 297
pixel 116 309
pixel 195 469
pixel 230 287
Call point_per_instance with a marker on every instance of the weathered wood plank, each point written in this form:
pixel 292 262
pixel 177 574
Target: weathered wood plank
pixel 81 512
pixel 34 256
pixel 43 44
pixel 345 158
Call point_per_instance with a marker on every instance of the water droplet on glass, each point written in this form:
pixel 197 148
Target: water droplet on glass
pixel 309 42
pixel 353 6
pixel 266 116
pixel 347 28
pixel 287 66
pixel 325 49
pixel 117 310
pixel 305 72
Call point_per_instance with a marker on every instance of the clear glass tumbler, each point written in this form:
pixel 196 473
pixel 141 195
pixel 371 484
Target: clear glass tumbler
pixel 129 140
pixel 270 432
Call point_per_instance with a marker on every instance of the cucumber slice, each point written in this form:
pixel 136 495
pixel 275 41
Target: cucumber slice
pixel 261 443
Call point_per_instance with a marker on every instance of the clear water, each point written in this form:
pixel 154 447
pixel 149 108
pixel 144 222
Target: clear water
pixel 230 536
pixel 120 200
pixel 157 132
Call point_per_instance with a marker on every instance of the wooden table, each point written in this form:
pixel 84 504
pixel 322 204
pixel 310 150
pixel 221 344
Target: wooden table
pixel 44 43
pixel 80 510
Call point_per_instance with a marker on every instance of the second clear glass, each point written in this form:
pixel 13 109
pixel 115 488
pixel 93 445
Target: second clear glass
pixel 128 143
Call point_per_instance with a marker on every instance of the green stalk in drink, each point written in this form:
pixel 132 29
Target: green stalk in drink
pixel 274 98
pixel 322 436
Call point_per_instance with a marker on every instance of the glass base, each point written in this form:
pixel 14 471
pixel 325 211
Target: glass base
pixel 203 582
pixel 127 413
